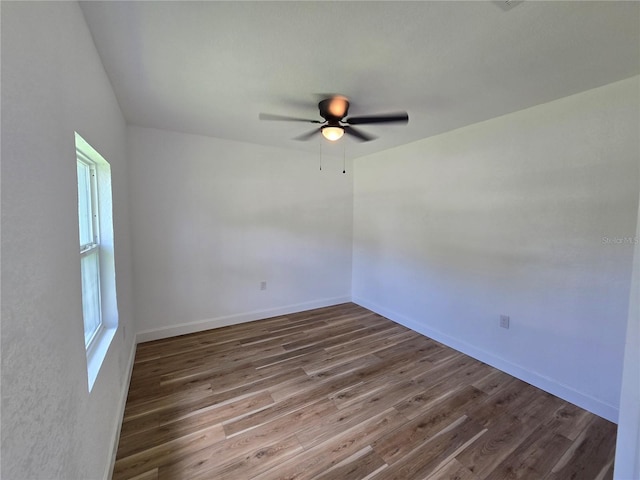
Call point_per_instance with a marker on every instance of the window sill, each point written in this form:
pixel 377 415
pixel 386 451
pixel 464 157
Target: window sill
pixel 97 352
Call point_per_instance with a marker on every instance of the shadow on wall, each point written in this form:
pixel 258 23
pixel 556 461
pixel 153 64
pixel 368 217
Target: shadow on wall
pixel 452 250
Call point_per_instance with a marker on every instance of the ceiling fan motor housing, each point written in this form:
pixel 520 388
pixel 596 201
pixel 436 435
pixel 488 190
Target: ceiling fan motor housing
pixel 334 108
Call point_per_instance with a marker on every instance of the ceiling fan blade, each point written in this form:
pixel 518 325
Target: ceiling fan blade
pixel 398 117
pixel 360 135
pixel 308 135
pixel 284 118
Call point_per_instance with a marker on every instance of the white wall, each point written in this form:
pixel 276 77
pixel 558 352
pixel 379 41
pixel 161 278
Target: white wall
pixel 508 216
pixel 214 218
pixel 627 464
pixel 53 84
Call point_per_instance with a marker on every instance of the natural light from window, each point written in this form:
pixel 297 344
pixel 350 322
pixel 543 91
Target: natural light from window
pixel 97 268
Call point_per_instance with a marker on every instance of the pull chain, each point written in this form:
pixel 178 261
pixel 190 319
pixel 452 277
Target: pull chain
pixel 344 162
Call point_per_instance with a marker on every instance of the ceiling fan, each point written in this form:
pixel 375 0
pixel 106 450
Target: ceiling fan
pixel 334 109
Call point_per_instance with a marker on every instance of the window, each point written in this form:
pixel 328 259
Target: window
pixel 89 248
pixel 97 269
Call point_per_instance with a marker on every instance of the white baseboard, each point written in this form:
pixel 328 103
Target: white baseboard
pixel 200 325
pixel 120 415
pixel 547 384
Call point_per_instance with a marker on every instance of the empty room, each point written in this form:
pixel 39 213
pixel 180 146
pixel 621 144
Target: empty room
pixel 320 240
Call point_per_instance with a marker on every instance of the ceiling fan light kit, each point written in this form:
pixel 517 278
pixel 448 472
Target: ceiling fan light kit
pixel 334 110
pixel 332 133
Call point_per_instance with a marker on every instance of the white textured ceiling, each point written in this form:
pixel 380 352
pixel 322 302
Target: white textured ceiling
pixel 210 67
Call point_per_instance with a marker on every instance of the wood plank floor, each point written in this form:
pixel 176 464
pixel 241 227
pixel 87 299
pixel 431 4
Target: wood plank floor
pixel 343 393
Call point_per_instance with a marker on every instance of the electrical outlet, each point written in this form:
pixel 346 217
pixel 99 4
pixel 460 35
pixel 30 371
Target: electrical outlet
pixel 263 285
pixel 504 321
